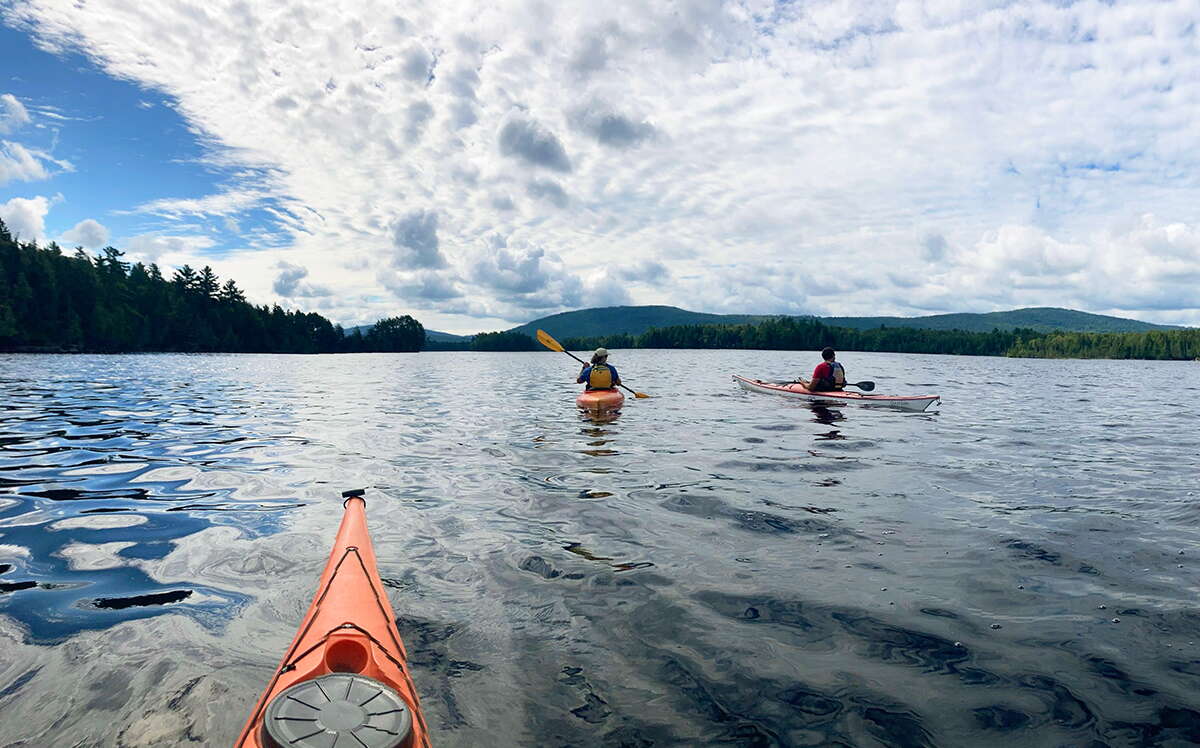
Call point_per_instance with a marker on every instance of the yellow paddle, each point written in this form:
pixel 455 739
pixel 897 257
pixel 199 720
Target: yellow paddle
pixel 545 339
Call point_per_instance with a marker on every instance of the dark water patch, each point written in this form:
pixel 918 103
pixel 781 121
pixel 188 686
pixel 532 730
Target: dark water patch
pixel 1032 551
pixel 19 682
pixel 579 550
pixel 809 509
pixel 546 570
pixel 17 586
pixel 429 645
pixel 1065 708
pixel 705 698
pixel 1174 725
pixel 178 697
pixel 5 568
pixel 873 638
pixel 810 702
pixel 894 644
pixel 147 551
pixel 773 465
pixel 135 601
pixel 73 494
pixel 594 711
pixel 1190 667
pixel 1001 718
pixel 709 507
pixel 896 728
pixel 51 611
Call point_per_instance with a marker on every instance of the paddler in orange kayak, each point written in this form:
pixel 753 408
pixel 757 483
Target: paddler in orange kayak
pixel 829 376
pixel 599 375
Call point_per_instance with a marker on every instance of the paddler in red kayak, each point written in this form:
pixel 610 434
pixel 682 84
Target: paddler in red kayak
pixel 829 376
pixel 599 375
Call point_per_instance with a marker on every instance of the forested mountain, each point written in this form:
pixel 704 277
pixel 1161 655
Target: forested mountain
pixel 635 320
pixel 51 301
pixel 1041 319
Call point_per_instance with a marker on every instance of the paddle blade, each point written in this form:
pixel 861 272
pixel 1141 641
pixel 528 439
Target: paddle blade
pixel 865 386
pixel 640 395
pixel 545 339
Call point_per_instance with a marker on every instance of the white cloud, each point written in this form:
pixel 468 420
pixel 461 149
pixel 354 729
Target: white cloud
pixel 177 249
pixel 416 240
pixel 220 204
pixel 290 283
pixel 420 287
pixel 19 164
pixel 87 233
pixel 819 157
pixel 26 217
pixel 13 115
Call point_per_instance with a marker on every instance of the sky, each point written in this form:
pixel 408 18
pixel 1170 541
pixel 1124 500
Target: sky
pixel 480 165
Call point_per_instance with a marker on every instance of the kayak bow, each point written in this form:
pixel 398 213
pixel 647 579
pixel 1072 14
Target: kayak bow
pixel 913 402
pixel 344 680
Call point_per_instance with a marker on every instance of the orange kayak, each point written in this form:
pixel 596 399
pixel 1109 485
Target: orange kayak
pixel 600 399
pixel 344 680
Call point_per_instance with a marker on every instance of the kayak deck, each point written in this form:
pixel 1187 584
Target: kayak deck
pixel 344 679
pixel 903 402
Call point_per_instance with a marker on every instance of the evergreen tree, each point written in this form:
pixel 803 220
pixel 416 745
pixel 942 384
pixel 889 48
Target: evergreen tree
pixel 56 302
pixel 396 334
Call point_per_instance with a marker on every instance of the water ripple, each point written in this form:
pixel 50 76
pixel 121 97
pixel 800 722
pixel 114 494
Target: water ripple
pixel 707 567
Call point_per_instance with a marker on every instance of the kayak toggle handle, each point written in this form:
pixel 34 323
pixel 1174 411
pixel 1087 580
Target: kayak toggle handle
pixel 353 492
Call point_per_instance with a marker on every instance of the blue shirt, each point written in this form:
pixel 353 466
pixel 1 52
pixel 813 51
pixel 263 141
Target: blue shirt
pixel 587 372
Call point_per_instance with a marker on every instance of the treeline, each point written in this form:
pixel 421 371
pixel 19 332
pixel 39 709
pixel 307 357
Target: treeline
pixel 791 333
pixel 1169 345
pixel 51 301
pixel 807 334
pixel 504 341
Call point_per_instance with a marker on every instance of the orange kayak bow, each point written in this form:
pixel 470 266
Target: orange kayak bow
pixel 344 680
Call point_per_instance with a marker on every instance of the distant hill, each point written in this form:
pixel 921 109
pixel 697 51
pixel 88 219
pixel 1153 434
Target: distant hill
pixel 447 337
pixel 634 320
pixel 1042 319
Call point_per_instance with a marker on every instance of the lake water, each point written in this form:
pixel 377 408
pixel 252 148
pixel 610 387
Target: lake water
pixel 1018 565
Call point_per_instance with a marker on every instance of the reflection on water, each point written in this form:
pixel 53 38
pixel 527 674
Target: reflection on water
pixel 710 567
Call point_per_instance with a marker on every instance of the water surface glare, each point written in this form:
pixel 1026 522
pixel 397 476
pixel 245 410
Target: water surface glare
pixel 1017 565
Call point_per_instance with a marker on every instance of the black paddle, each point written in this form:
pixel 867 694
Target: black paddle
pixel 864 386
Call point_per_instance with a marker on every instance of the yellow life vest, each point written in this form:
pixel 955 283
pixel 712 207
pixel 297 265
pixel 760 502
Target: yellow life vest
pixel 600 378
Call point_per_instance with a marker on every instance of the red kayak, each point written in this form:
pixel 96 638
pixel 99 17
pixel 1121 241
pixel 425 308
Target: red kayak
pixel 600 399
pixel 903 402
pixel 344 680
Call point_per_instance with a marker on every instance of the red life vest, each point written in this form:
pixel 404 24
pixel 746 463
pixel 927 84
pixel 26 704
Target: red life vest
pixel 834 382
